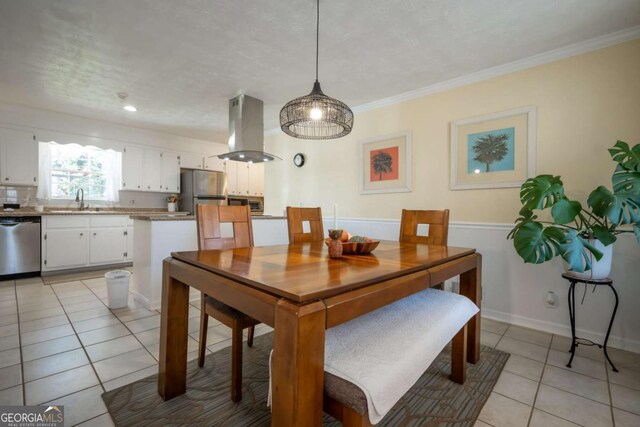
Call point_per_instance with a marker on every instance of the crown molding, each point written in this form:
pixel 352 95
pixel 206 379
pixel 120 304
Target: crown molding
pixel 579 48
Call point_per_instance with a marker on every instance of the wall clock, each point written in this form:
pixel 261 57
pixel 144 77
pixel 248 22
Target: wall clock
pixel 298 160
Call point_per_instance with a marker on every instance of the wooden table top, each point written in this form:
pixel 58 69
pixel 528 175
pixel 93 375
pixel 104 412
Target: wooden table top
pixel 304 272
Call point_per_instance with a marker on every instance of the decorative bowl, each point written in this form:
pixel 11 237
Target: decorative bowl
pixel 357 248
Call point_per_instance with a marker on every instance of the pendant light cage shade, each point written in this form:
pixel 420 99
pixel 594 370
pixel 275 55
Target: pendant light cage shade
pixel 316 116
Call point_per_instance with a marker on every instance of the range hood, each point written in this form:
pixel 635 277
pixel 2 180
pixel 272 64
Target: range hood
pixel 246 131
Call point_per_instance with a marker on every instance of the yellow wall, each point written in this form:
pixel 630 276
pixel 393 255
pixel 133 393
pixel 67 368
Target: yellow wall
pixel 584 104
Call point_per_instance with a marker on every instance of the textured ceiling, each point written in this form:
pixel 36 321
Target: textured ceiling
pixel 181 61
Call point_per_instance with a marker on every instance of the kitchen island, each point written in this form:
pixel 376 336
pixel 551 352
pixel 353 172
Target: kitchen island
pixel 157 236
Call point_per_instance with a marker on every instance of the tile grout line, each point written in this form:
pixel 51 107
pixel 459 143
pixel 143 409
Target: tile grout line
pixel 613 420
pixel 535 397
pixel 126 327
pixel 80 341
pixel 22 383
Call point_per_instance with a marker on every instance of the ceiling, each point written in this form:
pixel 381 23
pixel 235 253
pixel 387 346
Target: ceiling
pixel 180 62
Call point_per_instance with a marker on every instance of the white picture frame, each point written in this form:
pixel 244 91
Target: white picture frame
pixel 519 125
pixel 396 176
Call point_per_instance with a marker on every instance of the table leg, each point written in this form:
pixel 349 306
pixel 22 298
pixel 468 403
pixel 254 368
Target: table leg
pixel 471 287
pixel 298 364
pixel 172 378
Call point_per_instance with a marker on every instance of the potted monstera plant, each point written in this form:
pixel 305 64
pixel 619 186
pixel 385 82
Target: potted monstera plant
pixel 582 236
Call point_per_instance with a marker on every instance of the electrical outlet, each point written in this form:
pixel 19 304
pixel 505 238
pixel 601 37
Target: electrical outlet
pixel 551 301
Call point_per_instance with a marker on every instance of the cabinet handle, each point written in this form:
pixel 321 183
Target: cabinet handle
pixel 138 186
pixel 6 179
pixel 34 179
pixel 94 234
pixel 81 234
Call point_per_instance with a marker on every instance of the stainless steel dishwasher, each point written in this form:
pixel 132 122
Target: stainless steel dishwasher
pixel 19 245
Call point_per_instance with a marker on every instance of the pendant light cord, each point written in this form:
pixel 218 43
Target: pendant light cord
pixel 317 35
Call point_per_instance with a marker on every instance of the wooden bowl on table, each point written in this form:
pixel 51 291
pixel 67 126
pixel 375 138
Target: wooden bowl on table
pixel 358 248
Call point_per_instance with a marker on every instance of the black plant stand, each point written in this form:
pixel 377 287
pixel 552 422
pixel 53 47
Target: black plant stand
pixel 575 341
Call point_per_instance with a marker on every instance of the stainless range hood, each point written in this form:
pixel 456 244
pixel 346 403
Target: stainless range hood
pixel 246 131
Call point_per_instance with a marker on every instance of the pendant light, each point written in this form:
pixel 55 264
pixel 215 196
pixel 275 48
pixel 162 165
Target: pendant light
pixel 316 116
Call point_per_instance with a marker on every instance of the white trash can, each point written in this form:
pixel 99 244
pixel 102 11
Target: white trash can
pixel 118 288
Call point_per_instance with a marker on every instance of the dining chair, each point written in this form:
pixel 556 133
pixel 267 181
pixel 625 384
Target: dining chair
pixel 209 219
pixel 438 233
pixel 438 222
pixel 295 220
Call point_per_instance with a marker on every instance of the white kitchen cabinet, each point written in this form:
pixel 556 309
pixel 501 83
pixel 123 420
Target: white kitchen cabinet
pixel 243 179
pixel 65 248
pixel 231 169
pixel 76 241
pixel 65 242
pixel 191 161
pixel 214 163
pixel 107 245
pixel 152 169
pixel 132 168
pixel 170 177
pixel 256 179
pixel 18 158
pixel 129 234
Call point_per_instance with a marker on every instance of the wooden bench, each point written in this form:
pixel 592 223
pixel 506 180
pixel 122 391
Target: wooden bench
pixel 373 360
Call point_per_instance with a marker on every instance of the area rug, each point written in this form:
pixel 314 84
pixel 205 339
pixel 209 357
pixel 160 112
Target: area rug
pixel 85 275
pixel 433 401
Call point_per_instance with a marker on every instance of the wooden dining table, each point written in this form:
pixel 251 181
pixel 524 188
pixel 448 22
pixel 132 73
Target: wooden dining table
pixel 299 291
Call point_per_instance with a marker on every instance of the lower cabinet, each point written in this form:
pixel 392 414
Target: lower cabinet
pixel 77 241
pixel 65 248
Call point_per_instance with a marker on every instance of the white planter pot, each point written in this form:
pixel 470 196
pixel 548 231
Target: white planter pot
pixel 599 269
pixel 171 207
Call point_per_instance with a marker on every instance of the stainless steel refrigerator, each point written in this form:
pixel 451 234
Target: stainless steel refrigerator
pixel 202 187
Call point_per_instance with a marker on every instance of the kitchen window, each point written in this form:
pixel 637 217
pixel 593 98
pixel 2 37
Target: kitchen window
pixel 68 167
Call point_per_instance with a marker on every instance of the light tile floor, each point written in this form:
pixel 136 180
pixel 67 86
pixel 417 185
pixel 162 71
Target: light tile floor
pixel 537 389
pixel 61 344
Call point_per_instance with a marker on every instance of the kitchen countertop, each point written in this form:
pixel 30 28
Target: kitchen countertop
pixel 171 217
pixel 22 212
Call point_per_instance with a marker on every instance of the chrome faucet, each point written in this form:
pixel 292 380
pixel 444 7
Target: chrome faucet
pixel 80 200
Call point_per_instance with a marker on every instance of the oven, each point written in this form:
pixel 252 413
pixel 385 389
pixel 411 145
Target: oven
pixel 256 204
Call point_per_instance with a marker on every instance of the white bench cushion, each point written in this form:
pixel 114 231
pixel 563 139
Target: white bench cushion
pixel 386 351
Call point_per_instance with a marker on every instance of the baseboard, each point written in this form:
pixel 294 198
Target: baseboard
pixel 561 329
pixel 85 269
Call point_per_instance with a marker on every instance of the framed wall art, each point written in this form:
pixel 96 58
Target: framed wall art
pixel 385 164
pixel 493 151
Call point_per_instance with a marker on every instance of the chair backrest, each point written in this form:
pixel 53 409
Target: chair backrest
pixel 209 218
pixel 438 226
pixel 295 219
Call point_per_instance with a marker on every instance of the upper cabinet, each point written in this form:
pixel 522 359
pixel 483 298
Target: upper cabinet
pixel 170 179
pixel 231 169
pixel 150 170
pixel 191 161
pixel 18 158
pixel 245 179
pixel 132 161
pixel 256 179
pixel 213 163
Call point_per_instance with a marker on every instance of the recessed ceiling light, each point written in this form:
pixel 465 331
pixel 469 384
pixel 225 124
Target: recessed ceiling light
pixel 226 158
pixel 130 108
pixel 241 156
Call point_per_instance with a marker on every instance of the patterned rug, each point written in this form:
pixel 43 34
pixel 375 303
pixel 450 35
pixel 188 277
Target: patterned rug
pixel 433 401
